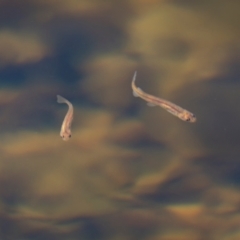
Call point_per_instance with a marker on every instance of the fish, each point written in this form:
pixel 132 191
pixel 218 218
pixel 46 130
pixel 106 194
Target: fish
pixel 172 108
pixel 65 132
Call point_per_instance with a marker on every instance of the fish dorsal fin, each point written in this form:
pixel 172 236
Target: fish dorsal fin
pixel 135 94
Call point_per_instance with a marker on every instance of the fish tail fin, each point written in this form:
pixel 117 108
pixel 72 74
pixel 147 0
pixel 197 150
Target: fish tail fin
pixel 134 76
pixel 135 94
pixel 61 99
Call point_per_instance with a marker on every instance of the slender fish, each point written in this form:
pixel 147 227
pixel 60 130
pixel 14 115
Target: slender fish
pixel 177 111
pixel 65 132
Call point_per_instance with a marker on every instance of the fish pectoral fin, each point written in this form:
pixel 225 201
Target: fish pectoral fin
pixel 151 104
pixel 171 111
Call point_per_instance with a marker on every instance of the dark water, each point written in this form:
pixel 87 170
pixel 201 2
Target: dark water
pixel 130 172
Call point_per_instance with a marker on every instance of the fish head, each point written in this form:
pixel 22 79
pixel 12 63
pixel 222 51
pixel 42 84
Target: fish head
pixel 188 117
pixel 66 136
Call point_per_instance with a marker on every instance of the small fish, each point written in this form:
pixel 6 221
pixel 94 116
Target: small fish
pixel 177 111
pixel 65 132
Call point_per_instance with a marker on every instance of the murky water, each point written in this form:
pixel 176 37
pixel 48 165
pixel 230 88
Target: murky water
pixel 129 172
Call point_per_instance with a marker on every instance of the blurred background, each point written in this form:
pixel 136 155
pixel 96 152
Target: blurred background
pixel 130 172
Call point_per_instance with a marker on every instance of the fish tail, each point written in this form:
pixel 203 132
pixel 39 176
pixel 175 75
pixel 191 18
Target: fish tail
pixel 61 99
pixel 134 76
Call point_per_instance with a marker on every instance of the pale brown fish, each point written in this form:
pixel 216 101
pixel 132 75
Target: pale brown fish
pixel 65 132
pixel 177 111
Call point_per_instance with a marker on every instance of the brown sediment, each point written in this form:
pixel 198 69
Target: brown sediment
pixel 130 172
pixel 108 81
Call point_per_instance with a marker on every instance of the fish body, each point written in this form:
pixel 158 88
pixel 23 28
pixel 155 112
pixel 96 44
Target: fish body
pixel 65 132
pixel 174 109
